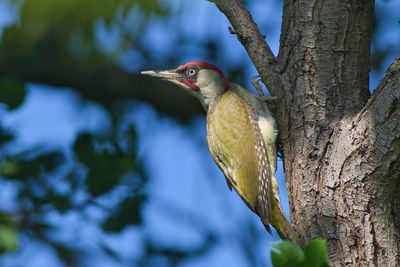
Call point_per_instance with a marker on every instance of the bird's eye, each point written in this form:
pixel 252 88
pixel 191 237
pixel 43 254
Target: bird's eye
pixel 191 71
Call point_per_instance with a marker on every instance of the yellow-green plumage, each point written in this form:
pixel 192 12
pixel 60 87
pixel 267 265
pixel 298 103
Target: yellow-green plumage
pixel 246 154
pixel 241 134
pixel 236 144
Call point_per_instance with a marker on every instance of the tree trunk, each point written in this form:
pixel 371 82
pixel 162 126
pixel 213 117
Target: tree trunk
pixel 340 146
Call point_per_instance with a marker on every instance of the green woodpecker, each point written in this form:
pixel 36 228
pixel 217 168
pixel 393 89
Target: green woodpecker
pixel 241 134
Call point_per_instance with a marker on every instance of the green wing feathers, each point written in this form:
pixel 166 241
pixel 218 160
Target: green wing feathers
pixel 236 144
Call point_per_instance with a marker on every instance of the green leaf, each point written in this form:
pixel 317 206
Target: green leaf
pixel 24 169
pixel 9 168
pixel 5 136
pixel 8 238
pixel 61 203
pixel 315 253
pixel 289 254
pixel 107 167
pixel 38 18
pixel 12 92
pixel 127 213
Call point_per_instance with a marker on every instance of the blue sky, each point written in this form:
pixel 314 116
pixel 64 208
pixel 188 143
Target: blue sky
pixel 186 176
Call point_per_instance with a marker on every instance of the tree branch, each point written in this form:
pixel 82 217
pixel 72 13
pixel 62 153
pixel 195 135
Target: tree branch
pixel 387 91
pixel 253 41
pixel 365 149
pixel 382 114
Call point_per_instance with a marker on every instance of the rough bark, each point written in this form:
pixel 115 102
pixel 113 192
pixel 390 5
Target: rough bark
pixel 341 146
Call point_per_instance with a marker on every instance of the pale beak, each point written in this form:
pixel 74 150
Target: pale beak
pixel 163 74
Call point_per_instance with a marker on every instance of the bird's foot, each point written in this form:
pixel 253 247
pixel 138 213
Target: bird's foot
pixel 256 83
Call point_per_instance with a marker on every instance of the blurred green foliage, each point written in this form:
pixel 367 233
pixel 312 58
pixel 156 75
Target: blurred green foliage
pixel 8 238
pixel 8 234
pixel 27 168
pixel 127 213
pixel 107 168
pixel 288 254
pixel 41 19
pixel 45 47
pixel 12 92
pixel 108 164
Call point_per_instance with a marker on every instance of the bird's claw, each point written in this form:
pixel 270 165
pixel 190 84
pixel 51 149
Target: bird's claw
pixel 256 83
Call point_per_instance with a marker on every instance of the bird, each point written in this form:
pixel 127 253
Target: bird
pixel 241 138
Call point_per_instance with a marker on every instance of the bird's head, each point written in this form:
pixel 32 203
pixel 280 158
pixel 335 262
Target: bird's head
pixel 203 80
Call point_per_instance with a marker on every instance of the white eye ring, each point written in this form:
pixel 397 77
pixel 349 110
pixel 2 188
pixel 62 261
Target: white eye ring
pixel 191 72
